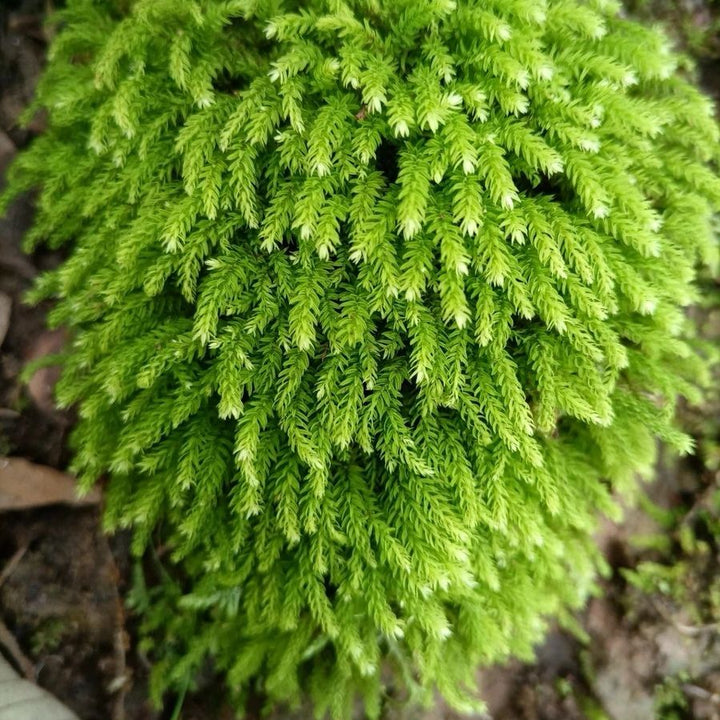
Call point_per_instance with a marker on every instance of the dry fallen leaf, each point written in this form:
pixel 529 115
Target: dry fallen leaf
pixel 7 151
pixel 5 309
pixel 25 485
pixel 23 700
pixel 41 385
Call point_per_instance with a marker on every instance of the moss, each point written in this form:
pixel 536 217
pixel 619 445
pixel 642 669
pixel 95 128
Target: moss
pixel 374 307
pixel 48 636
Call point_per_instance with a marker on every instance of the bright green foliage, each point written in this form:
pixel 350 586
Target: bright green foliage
pixel 374 304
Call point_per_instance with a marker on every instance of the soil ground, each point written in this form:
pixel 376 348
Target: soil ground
pixel 646 647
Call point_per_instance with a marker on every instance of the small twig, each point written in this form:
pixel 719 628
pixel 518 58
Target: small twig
pixel 696 630
pixel 8 641
pixel 20 266
pixel 701 503
pixel 689 630
pixel 12 563
pixel 701 693
pixel 143 660
pixel 121 682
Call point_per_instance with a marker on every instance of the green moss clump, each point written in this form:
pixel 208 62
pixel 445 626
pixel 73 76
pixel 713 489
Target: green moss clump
pixel 374 304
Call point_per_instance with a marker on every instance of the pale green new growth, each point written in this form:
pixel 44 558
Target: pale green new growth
pixel 374 304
